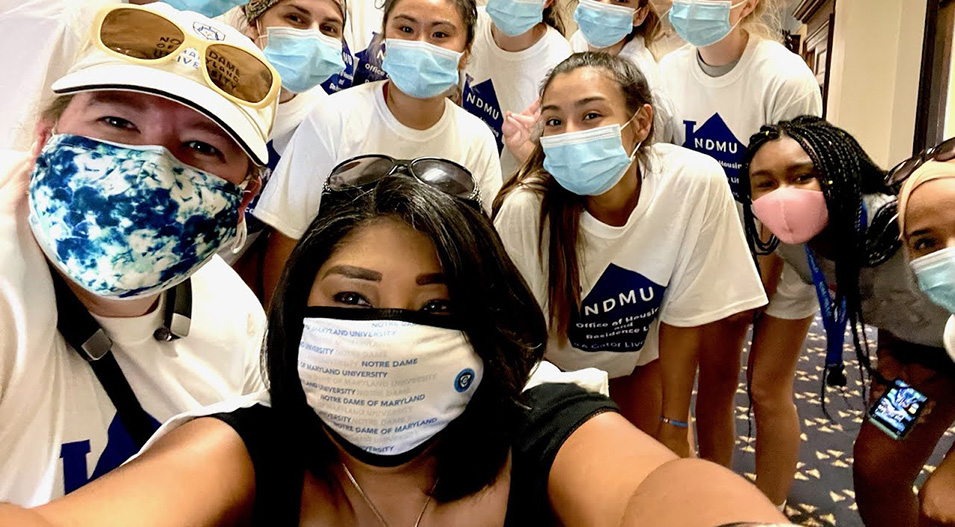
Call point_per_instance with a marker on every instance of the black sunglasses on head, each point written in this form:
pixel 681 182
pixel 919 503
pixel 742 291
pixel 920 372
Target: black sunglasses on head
pixel 944 151
pixel 442 174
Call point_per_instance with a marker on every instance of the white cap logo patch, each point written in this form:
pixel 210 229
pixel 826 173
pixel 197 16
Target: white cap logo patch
pixel 208 32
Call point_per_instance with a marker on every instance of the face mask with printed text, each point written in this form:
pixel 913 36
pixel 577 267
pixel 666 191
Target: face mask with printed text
pixel 385 381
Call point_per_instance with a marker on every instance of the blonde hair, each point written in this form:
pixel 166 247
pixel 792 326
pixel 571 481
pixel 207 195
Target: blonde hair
pixel 53 109
pixel 765 21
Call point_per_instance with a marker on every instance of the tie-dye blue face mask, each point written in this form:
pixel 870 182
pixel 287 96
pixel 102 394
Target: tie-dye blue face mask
pixel 127 221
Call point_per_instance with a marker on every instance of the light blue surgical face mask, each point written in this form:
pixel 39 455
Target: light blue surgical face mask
pixel 936 275
pixel 515 17
pixel 603 25
pixel 419 69
pixel 702 22
pixel 208 8
pixel 304 58
pixel 126 221
pixel 588 162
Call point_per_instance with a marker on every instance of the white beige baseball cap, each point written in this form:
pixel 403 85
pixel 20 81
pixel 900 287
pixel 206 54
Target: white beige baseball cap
pixel 203 71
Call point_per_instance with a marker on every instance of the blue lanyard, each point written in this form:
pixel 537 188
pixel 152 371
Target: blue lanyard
pixel 834 318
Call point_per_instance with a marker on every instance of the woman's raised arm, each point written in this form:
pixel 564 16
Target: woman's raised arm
pixel 199 475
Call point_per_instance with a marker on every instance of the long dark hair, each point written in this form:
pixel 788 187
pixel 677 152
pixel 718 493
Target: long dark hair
pixel 501 319
pixel 845 173
pixel 560 208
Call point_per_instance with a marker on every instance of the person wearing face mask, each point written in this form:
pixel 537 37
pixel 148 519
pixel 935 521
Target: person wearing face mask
pixel 832 216
pixel 626 29
pixel 598 223
pixel 927 226
pixel 302 39
pixel 731 78
pixel 404 117
pixel 516 43
pixel 115 313
pixel 397 352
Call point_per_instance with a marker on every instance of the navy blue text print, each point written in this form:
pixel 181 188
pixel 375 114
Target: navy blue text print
pixel 481 101
pixel 716 140
pixel 119 448
pixel 339 81
pixel 369 61
pixel 617 313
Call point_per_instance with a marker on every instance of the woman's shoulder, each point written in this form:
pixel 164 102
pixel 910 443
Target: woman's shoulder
pixel 775 61
pixel 678 163
pixel 524 200
pixel 679 58
pixel 470 127
pixel 557 44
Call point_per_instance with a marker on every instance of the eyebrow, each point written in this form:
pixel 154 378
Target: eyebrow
pixel 919 232
pixel 431 278
pixel 357 273
pixel 108 97
pixel 582 102
pixel 307 13
pixel 413 20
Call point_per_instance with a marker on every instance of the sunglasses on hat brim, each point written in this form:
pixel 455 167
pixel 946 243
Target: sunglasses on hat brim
pixel 145 37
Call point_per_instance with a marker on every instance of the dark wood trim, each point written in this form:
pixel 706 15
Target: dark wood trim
pixel 806 8
pixel 924 117
pixel 825 86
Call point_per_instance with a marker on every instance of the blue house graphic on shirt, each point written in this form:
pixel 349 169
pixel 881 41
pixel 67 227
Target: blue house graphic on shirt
pixel 369 62
pixel 716 140
pixel 119 447
pixel 481 101
pixel 617 313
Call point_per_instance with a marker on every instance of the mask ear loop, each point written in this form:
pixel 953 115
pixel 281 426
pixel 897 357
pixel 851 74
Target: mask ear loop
pixel 242 229
pixel 242 234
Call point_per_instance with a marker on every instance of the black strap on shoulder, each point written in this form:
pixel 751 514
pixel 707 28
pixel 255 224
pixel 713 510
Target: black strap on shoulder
pixel 87 338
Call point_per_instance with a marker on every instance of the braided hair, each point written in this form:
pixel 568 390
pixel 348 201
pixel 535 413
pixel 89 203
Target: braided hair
pixel 845 173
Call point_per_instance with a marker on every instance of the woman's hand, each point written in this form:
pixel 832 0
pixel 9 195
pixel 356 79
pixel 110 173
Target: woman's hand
pixel 518 130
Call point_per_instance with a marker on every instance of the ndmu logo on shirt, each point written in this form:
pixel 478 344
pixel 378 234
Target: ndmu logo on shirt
pixel 481 101
pixel 617 313
pixel 716 140
pixel 119 448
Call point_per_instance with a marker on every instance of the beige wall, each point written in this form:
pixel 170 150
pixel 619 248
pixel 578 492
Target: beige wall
pixel 876 58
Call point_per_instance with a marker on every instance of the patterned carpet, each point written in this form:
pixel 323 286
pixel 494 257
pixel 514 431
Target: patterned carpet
pixel 822 494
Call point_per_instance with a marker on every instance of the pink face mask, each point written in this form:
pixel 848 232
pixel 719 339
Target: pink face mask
pixel 794 215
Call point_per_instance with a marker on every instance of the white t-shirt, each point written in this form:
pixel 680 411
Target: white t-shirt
pixel 40 39
pixel 949 337
pixel 498 81
pixel 291 114
pixel 682 265
pixel 357 121
pixel 717 115
pixel 59 429
pixel 637 53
